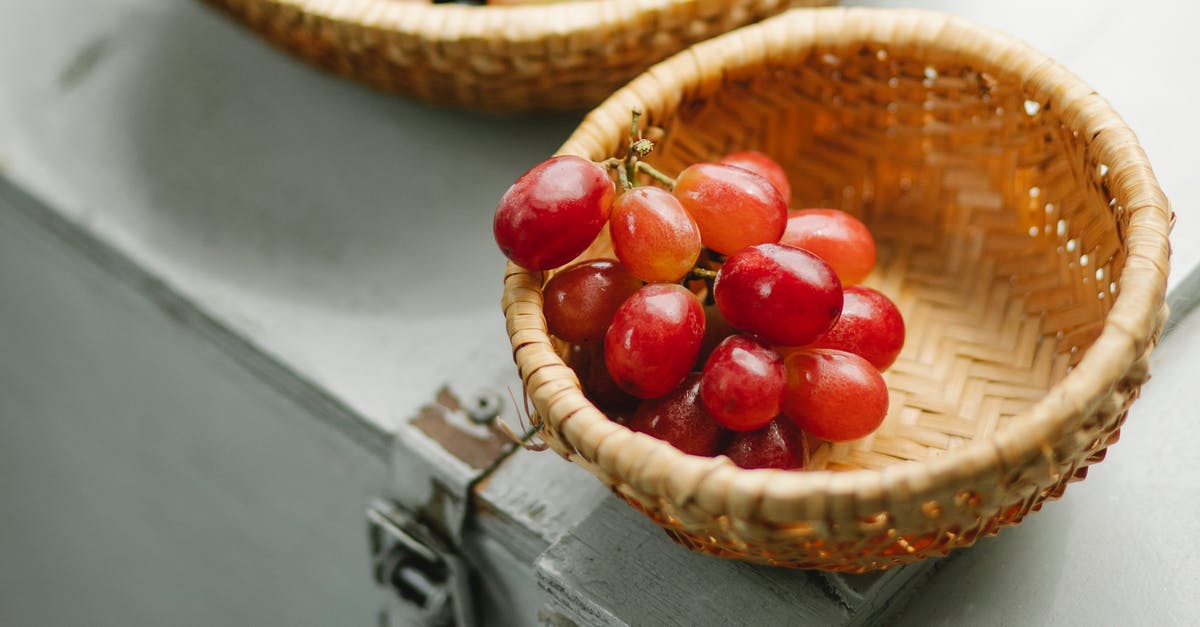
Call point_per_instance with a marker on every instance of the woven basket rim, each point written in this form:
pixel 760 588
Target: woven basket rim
pixel 1129 326
pixel 456 22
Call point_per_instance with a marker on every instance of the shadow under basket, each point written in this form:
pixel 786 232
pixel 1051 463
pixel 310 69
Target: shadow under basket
pixel 1020 230
pixel 539 56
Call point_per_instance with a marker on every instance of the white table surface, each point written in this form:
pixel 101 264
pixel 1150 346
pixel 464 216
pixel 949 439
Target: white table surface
pixel 345 233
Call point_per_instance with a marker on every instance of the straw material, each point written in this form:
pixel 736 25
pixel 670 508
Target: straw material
pixel 1021 232
pixel 564 55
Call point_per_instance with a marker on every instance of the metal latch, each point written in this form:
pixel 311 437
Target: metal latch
pixel 426 574
pixel 437 457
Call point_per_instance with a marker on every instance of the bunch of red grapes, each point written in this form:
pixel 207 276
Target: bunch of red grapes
pixel 726 324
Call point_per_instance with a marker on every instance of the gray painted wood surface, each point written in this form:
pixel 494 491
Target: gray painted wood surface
pixel 146 477
pixel 534 498
pixel 342 231
pixel 616 567
pixel 247 501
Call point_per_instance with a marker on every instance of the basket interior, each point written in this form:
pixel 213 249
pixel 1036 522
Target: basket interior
pixel 995 227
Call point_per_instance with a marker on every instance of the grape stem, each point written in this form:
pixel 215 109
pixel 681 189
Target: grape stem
pixel 656 174
pixel 613 163
pixel 623 177
pixel 628 167
pixel 709 277
pixel 631 155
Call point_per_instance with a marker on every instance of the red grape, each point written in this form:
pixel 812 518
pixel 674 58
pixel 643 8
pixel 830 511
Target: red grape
pixel 654 339
pixel 598 386
pixel 553 212
pixel 834 395
pixel 680 420
pixel 778 445
pixel 870 326
pixel 835 236
pixel 784 295
pixel 734 208
pixel 743 384
pixel 763 166
pixel 653 235
pixel 580 301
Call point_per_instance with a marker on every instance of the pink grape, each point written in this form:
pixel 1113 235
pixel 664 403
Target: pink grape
pixel 598 386
pixel 784 295
pixel 680 419
pixel 834 395
pixel 743 384
pixel 579 302
pixel 553 212
pixel 653 235
pixel 734 208
pixel 654 339
pixel 777 445
pixel 837 237
pixel 870 326
pixel 763 166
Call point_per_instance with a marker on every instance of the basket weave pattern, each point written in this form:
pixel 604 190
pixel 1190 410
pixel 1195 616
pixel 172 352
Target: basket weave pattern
pixel 506 58
pixel 1021 233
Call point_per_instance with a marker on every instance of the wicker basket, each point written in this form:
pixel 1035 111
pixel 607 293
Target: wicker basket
pixel 565 55
pixel 1021 231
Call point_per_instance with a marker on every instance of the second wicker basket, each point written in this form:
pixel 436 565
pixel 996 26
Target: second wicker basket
pixel 562 55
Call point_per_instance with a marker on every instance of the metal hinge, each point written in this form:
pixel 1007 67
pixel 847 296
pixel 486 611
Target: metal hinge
pixel 426 574
pixel 437 458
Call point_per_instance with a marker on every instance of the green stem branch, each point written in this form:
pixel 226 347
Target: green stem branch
pixel 625 180
pixel 631 155
pixel 656 174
